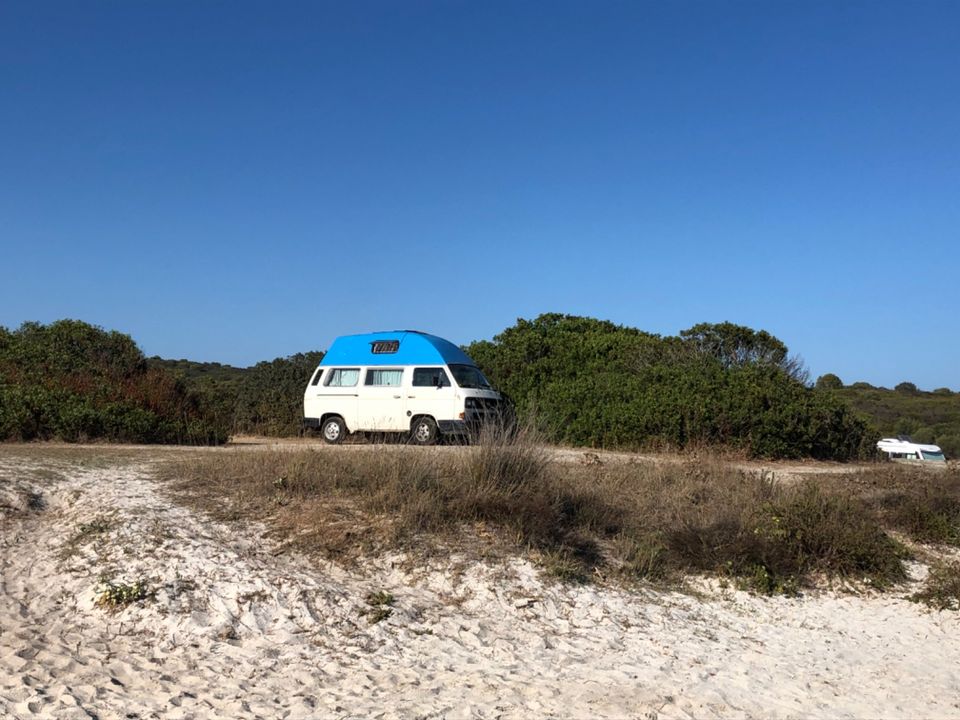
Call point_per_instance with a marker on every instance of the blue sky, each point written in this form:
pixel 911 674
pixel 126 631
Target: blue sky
pixel 237 181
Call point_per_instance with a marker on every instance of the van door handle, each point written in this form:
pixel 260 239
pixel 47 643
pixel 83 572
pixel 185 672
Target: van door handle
pixel 396 397
pixel 412 397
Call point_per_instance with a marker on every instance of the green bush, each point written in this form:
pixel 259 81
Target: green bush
pixel 591 382
pixel 73 381
pixel 829 382
pixel 269 398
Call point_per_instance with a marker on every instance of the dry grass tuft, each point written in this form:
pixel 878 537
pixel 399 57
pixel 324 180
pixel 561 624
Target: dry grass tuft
pixel 649 521
pixel 923 504
pixel 942 590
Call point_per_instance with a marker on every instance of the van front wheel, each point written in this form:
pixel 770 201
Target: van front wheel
pixel 423 431
pixel 333 430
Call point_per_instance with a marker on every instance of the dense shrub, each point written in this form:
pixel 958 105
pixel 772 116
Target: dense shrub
pixel 596 383
pixel 269 399
pixel 73 381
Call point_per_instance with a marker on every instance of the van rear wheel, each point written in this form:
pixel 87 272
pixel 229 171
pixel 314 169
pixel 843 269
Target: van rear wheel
pixel 333 430
pixel 424 431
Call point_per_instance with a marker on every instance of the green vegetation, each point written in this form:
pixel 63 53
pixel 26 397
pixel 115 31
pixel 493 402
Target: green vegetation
pixel 116 596
pixel 598 384
pixel 266 399
pixel 200 374
pixel 589 382
pixel 73 381
pixel 379 603
pixel 927 417
pixel 269 396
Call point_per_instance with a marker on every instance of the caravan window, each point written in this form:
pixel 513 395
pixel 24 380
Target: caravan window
pixel 430 377
pixel 343 377
pixel 384 378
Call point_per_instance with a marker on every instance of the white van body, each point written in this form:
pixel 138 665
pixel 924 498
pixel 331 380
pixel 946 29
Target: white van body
pixel 403 382
pixel 904 449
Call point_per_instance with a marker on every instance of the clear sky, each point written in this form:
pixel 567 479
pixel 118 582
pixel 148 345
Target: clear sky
pixel 235 181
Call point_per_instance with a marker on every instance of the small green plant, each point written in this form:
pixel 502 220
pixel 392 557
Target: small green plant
pixel 378 614
pixel 94 527
pixel 379 602
pixel 381 597
pixel 761 580
pixel 115 596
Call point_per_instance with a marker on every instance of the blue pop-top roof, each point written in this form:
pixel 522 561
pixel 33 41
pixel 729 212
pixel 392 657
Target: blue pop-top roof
pixel 415 348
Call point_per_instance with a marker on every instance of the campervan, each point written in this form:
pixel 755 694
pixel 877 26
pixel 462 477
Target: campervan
pixel 403 381
pixel 902 448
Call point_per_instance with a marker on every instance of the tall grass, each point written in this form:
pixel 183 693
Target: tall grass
pixel 507 495
pixel 921 503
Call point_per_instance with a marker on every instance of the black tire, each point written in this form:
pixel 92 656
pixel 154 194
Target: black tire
pixel 423 431
pixel 333 430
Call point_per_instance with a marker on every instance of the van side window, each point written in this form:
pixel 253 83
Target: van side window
pixel 317 376
pixel 430 377
pixel 388 378
pixel 343 377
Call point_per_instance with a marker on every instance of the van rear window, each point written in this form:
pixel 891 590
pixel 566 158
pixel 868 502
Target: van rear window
pixel 389 378
pixel 343 377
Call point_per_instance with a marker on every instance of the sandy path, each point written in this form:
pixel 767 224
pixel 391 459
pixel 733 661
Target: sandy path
pixel 238 628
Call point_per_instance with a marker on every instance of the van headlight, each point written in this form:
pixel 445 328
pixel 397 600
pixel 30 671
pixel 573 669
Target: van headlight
pixel 471 403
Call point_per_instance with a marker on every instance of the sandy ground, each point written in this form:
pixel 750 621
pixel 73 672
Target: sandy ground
pixel 239 628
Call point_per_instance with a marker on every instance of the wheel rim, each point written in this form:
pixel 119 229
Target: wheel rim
pixel 422 432
pixel 331 431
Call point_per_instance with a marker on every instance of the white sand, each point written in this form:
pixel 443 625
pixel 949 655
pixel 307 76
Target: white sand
pixel 239 628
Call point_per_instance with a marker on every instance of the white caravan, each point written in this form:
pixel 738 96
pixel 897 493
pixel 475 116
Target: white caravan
pixel 400 382
pixel 903 448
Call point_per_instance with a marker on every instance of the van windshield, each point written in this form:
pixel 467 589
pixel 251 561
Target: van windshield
pixel 467 376
pixel 934 456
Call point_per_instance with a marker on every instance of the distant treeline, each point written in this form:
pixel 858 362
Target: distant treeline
pixel 927 417
pixel 585 381
pixel 266 399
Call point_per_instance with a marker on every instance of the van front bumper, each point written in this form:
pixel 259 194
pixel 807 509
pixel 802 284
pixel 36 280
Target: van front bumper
pixel 313 423
pixel 474 422
pixel 453 427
